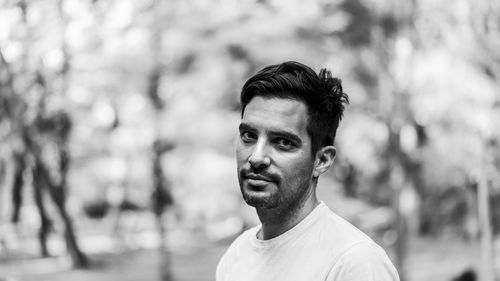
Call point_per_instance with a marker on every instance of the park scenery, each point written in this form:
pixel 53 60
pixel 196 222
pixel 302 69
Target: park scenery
pixel 118 121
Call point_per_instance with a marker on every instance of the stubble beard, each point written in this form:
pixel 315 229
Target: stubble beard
pixel 270 201
pixel 281 202
pixel 260 202
pixel 277 204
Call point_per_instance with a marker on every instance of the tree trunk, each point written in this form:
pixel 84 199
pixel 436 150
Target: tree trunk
pixel 45 224
pixel 164 254
pixel 17 189
pixel 57 194
pixel 485 226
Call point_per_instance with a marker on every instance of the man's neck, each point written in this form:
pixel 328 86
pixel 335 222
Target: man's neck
pixel 277 221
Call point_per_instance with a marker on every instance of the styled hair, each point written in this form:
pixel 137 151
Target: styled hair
pixel 321 93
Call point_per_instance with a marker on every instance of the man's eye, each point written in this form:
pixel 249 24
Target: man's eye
pixel 284 144
pixel 247 137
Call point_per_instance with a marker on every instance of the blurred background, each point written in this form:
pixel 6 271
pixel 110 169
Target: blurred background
pixel 118 121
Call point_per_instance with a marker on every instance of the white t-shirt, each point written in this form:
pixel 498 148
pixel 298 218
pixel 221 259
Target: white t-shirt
pixel 322 247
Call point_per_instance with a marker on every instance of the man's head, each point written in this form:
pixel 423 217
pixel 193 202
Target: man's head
pixel 321 93
pixel 289 120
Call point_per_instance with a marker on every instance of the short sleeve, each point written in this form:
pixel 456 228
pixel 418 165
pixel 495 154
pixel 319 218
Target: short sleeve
pixel 363 261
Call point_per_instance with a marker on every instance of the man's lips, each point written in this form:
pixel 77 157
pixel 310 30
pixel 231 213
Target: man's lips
pixel 258 181
pixel 258 177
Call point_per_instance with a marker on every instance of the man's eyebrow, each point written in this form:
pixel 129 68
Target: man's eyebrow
pixel 288 135
pixel 245 126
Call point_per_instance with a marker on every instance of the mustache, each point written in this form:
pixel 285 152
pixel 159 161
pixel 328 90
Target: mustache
pixel 259 175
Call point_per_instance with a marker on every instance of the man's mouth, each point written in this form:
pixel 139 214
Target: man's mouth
pixel 256 177
pixel 258 182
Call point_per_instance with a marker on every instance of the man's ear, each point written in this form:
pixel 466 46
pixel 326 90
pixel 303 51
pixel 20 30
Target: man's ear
pixel 324 159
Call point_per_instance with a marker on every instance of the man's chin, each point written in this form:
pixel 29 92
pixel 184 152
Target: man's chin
pixel 260 202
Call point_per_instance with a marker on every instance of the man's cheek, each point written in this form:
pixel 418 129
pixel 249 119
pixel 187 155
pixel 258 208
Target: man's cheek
pixel 240 158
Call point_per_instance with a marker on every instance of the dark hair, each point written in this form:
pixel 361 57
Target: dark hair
pixel 321 93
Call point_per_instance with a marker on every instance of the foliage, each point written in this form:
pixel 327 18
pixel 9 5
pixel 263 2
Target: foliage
pixel 423 99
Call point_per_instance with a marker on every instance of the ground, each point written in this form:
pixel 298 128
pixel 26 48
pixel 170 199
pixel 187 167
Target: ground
pixel 430 259
pixel 130 253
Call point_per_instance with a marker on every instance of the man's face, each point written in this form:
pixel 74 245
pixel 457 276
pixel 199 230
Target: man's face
pixel 274 157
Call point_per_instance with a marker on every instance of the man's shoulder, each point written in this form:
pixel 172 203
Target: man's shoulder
pixel 242 241
pixel 362 260
pixel 355 252
pixel 363 250
pixel 335 228
pixel 243 238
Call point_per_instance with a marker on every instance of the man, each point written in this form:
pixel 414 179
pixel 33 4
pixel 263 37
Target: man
pixel 289 119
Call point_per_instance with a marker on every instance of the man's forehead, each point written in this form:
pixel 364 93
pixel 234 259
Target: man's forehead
pixel 285 105
pixel 276 113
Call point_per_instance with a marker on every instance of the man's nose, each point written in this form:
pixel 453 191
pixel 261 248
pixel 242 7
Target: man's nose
pixel 260 156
